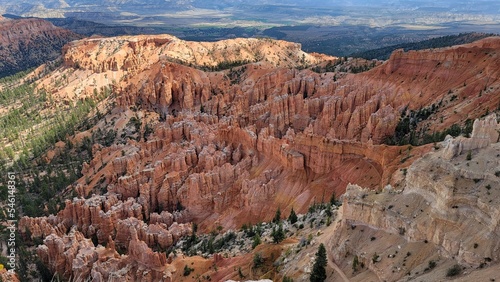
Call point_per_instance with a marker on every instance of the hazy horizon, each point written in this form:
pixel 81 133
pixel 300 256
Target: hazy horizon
pixel 413 14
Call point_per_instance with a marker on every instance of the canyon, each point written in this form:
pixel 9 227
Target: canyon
pixel 223 133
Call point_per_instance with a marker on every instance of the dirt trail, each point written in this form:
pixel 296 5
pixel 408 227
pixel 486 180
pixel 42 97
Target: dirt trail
pixel 327 243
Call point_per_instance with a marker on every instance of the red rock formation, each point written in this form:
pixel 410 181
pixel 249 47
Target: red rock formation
pixel 73 255
pixel 228 147
pixel 8 276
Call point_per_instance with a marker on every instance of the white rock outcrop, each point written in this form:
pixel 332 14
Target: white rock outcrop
pixel 484 133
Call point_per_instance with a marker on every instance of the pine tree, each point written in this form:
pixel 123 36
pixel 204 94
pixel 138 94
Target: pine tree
pixel 278 234
pixel 292 217
pixel 332 200
pixel 277 216
pixel 256 240
pixel 355 263
pixel 318 273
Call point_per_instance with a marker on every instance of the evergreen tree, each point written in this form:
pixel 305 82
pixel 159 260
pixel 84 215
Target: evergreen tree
pixel 277 216
pixel 355 263
pixel 256 240
pixel 318 273
pixel 258 260
pixel 332 199
pixel 292 217
pixel 278 234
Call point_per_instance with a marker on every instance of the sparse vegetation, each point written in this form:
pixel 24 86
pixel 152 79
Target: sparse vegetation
pixel 318 273
pixel 42 181
pixel 355 263
pixel 333 201
pixel 346 65
pixel 292 218
pixel 278 234
pixel 240 273
pixel 277 216
pixel 256 241
pixel 404 171
pixel 454 271
pixel 258 260
pixel 187 270
pixel 408 132
pixel 375 258
pixel 224 65
pixel 402 231
pixel 444 41
pixel 236 74
pixel 193 239
pixel 432 264
pixel 469 156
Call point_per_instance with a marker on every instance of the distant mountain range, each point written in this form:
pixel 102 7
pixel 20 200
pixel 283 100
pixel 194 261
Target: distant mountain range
pixel 26 43
pixel 409 14
pixel 340 29
pixel 334 27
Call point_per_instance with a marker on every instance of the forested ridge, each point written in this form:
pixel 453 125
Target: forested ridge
pixel 439 42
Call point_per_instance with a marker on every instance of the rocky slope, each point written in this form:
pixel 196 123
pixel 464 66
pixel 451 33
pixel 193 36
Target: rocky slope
pixel 223 133
pixel 26 43
pixel 446 212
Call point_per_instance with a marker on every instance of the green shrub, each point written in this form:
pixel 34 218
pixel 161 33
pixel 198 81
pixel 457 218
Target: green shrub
pixel 187 270
pixel 256 241
pixel 258 260
pixel 454 270
pixel 469 156
pixel 375 258
pixel 355 263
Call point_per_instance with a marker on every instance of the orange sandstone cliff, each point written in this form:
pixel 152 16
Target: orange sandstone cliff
pixel 236 130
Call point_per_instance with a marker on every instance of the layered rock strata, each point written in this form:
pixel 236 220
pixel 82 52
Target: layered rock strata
pixel 227 147
pixel 448 210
